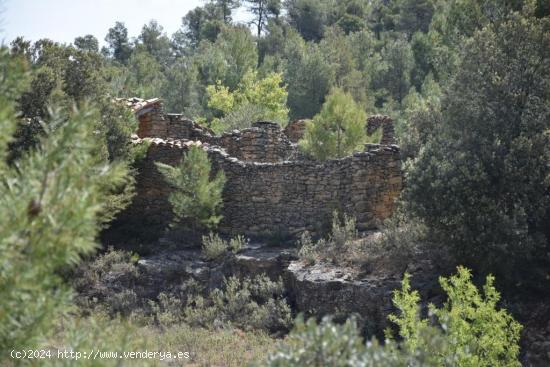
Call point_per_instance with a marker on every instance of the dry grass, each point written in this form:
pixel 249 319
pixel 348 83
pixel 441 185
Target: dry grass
pixel 217 347
pixel 223 347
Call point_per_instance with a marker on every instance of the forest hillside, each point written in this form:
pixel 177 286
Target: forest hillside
pixel 334 183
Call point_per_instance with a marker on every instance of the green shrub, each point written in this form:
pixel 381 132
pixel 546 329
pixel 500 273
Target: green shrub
pixel 213 246
pixel 343 232
pixel 240 118
pixel 470 331
pixel 168 310
pixel 254 99
pixel 324 344
pixel 332 344
pixel 249 304
pixel 477 333
pixel 306 251
pixel 236 244
pixel 122 303
pixel 336 248
pixel 399 242
pixel 480 182
pixel 196 197
pixel 91 282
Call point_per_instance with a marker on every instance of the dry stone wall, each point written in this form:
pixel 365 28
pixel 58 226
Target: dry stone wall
pixel 385 122
pixel 263 142
pixel 156 124
pixel 295 130
pixel 281 198
pixel 269 191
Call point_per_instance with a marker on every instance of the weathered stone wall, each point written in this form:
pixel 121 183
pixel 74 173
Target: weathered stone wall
pixel 157 124
pixel 281 198
pixel 295 130
pixel 377 121
pixel 263 142
pixel 269 191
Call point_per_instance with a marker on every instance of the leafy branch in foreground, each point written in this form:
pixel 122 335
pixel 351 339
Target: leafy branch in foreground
pixel 50 200
pixel 476 332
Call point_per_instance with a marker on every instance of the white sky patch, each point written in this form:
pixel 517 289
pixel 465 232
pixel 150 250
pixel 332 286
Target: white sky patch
pixel 63 20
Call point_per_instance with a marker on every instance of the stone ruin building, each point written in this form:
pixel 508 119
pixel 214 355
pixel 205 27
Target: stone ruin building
pixel 271 189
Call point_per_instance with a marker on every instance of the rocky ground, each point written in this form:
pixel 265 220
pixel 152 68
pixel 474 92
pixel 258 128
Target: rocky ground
pixel 319 289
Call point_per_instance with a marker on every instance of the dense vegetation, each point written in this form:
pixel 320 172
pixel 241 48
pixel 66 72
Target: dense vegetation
pixel 472 333
pixel 466 81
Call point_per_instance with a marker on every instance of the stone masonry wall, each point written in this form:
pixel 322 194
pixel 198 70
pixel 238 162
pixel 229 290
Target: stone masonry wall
pixel 263 142
pixel 156 124
pixel 295 130
pixel 377 121
pixel 282 198
pixel 269 191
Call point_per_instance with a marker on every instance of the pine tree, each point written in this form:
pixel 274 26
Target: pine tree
pixel 263 10
pixel 337 130
pixel 196 198
pixel 49 203
pixel 226 7
pixel 119 45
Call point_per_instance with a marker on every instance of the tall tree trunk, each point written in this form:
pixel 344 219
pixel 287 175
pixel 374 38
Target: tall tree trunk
pixel 260 17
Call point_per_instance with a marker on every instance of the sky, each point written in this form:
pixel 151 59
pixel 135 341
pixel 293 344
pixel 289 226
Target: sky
pixel 63 20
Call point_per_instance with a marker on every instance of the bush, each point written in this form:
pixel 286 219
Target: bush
pixel 306 251
pixel 336 247
pixel 400 239
pixel 324 344
pixel 249 304
pixel 332 344
pixel 240 118
pixel 93 281
pixel 254 100
pixel 196 197
pixel 343 232
pixel 237 243
pixel 480 183
pixel 477 333
pixel 470 332
pixel 168 310
pixel 213 247
pixel 122 303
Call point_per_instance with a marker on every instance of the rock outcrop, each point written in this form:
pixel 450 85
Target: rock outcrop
pixel 325 289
